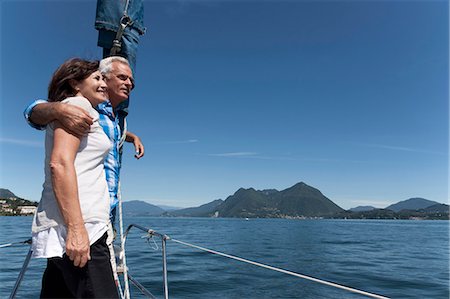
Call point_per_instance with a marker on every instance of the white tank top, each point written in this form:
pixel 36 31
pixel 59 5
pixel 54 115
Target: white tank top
pixel 92 187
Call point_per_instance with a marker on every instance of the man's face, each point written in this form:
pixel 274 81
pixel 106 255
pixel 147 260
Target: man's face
pixel 120 82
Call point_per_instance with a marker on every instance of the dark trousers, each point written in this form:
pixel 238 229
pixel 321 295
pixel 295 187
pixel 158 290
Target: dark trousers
pixel 95 280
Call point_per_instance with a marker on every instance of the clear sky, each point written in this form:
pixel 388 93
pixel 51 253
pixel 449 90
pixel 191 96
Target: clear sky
pixel 350 97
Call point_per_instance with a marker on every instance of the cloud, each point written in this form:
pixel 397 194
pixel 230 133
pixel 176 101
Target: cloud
pixel 250 155
pixel 178 141
pixel 401 148
pixel 328 160
pixel 235 154
pixel 22 142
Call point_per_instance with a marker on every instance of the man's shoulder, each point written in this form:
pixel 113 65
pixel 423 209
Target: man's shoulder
pixel 104 107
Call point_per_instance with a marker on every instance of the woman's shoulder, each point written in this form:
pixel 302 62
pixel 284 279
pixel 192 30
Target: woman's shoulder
pixel 79 101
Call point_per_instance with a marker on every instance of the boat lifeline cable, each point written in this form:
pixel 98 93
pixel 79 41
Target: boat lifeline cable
pixel 24 267
pixel 26 242
pixel 281 270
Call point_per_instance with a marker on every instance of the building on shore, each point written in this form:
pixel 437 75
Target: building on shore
pixel 26 210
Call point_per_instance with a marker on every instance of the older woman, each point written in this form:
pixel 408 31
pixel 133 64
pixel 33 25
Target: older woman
pixel 69 228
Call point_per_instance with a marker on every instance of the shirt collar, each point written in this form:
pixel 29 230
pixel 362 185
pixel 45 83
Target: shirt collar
pixel 122 108
pixel 106 108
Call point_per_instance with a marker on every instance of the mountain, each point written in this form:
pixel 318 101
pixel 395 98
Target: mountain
pixel 438 208
pixel 169 208
pixel 434 212
pixel 362 209
pixel 5 193
pixel 411 204
pixel 299 200
pixel 246 203
pixel 140 208
pixel 269 191
pixel 205 210
pixel 304 200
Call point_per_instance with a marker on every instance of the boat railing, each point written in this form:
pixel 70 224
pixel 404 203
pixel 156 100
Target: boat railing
pixel 149 234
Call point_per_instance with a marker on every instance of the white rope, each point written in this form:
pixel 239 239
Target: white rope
pixel 122 256
pixel 284 271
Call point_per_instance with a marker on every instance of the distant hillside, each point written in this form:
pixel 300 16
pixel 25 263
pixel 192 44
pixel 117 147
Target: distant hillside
pixel 247 203
pixel 269 191
pixel 438 208
pixel 305 200
pixel 140 208
pixel 5 193
pixel 368 214
pixel 411 204
pixel 205 210
pixel 168 208
pixel 434 212
pixel 362 209
pixel 11 205
pixel 299 200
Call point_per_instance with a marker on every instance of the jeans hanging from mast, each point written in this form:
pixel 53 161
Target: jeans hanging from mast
pixel 107 21
pixel 108 16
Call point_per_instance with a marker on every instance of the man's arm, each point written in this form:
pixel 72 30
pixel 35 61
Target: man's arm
pixel 138 146
pixel 75 119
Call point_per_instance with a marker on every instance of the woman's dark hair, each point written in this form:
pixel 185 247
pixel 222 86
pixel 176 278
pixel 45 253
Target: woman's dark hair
pixel 71 71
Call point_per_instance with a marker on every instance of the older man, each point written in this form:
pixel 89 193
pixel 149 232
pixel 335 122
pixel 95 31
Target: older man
pixel 119 80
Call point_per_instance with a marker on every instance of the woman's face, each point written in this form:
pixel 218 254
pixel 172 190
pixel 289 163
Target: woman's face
pixel 93 88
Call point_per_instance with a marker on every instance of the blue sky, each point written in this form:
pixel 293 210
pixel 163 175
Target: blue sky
pixel 350 97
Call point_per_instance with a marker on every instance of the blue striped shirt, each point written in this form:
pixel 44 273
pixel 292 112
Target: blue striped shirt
pixel 114 125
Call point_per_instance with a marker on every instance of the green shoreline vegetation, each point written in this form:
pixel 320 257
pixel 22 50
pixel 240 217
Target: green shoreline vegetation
pixel 14 206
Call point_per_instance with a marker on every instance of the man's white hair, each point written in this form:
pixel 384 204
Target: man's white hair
pixel 105 63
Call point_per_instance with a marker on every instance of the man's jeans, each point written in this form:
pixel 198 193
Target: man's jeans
pixel 130 40
pixel 107 20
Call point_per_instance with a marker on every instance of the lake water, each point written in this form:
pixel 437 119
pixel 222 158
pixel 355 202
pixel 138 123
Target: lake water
pixel 398 259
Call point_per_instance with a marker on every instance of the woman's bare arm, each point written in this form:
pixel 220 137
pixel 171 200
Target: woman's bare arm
pixel 65 187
